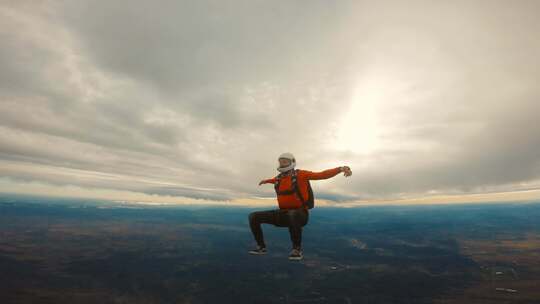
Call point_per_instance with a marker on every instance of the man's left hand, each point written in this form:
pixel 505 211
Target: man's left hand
pixel 347 171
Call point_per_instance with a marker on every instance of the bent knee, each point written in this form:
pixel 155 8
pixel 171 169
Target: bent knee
pixel 295 215
pixel 252 216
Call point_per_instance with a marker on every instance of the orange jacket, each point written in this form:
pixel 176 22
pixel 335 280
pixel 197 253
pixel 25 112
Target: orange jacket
pixel 290 201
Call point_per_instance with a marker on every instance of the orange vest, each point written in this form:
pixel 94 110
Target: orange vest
pixel 292 201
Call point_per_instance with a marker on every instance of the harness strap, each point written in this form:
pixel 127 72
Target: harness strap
pixel 294 186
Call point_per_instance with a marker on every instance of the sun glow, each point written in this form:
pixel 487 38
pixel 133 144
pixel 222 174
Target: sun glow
pixel 359 129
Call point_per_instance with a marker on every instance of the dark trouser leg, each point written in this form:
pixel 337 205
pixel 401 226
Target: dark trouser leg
pixel 297 218
pixel 256 218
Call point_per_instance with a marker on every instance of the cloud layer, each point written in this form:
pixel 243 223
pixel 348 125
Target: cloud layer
pixel 197 99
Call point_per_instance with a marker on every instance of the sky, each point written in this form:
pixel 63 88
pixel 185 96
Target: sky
pixel 193 101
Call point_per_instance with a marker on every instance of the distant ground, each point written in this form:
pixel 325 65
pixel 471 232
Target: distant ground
pixel 82 251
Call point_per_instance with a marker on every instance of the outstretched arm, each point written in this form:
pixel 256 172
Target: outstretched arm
pixel 268 181
pixel 328 173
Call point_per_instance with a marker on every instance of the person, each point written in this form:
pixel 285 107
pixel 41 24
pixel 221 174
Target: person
pixel 292 212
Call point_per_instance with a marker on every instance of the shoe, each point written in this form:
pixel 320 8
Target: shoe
pixel 258 250
pixel 296 254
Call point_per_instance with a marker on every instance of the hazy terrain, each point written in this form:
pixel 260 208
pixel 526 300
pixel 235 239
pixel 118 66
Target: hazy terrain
pixel 81 251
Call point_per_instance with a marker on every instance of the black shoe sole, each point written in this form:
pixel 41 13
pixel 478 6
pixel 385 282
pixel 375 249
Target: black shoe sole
pixel 256 253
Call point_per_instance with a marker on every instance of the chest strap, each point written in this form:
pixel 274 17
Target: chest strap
pixel 294 185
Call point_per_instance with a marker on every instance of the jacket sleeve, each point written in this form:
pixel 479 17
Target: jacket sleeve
pixel 323 174
pixel 270 180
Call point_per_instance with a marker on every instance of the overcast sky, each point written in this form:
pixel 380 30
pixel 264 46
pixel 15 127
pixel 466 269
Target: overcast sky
pixel 197 99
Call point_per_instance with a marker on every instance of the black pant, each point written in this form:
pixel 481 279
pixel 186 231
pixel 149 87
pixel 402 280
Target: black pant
pixel 295 219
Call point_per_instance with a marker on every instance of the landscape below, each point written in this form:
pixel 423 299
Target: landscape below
pixel 84 251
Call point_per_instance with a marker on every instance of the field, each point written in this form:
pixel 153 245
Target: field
pixel 73 251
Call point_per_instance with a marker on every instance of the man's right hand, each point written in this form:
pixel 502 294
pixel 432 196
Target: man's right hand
pixel 262 182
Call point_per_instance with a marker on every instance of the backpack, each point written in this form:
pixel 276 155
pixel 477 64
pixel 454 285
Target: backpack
pixel 310 202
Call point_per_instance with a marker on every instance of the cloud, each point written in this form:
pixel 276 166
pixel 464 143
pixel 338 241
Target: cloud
pixel 197 99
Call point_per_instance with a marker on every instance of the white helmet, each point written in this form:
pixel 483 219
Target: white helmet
pixel 289 156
